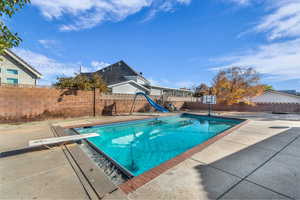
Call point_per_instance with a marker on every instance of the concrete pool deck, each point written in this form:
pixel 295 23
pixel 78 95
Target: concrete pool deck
pixel 46 174
pixel 253 162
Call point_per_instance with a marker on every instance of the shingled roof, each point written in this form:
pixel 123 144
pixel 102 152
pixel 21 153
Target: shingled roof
pixel 272 96
pixel 115 73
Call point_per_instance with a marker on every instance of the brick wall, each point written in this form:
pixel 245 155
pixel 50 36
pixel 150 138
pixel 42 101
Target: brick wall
pixel 26 104
pixel 284 108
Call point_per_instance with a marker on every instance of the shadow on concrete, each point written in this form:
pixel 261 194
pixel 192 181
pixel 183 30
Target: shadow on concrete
pixel 220 178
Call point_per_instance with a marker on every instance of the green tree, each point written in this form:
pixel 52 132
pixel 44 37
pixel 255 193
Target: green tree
pixel 8 8
pixel 268 87
pixel 82 82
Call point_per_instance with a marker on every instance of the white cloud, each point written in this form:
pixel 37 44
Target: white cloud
pixel 56 8
pixel 153 81
pixel 44 64
pixel 164 6
pixel 98 65
pixel 280 61
pixel 89 13
pixel 283 21
pixel 282 18
pixel 160 82
pixel 240 2
pixel 185 84
pixel 171 84
pixel 51 68
pixel 48 43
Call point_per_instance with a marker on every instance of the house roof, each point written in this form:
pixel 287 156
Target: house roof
pixel 272 96
pixel 167 88
pixel 23 63
pixel 116 73
pixel 129 82
pixel 119 72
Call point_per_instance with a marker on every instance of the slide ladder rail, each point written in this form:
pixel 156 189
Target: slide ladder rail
pixel 132 107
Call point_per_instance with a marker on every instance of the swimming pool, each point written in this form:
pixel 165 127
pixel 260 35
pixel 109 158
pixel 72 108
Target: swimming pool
pixel 139 146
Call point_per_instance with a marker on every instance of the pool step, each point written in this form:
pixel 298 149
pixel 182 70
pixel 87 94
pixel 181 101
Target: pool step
pixel 115 174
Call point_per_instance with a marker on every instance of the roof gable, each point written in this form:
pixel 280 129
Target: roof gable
pixel 283 93
pixel 117 72
pixel 19 60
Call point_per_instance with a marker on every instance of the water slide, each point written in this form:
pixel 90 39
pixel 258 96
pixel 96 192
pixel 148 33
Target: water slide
pixel 152 103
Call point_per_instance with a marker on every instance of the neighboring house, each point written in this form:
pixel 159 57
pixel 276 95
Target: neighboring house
pixel 290 92
pixel 272 96
pixel 128 87
pixel 122 79
pixel 14 70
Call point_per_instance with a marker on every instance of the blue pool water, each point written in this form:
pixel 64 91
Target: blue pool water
pixel 141 145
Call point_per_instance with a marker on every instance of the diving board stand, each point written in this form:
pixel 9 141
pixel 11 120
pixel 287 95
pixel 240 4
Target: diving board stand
pixel 60 140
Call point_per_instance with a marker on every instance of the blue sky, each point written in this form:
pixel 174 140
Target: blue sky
pixel 175 43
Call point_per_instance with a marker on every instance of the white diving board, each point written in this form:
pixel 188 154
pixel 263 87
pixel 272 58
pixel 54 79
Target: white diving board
pixel 57 140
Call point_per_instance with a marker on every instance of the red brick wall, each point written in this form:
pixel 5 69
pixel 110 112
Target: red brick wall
pixel 25 104
pixel 289 108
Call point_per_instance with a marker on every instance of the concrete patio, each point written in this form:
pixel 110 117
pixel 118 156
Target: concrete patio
pixel 257 161
pixel 254 162
pixel 46 174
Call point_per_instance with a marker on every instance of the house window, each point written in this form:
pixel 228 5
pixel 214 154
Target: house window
pixel 12 71
pixel 12 81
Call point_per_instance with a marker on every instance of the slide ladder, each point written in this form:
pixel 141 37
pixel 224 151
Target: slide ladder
pixel 150 101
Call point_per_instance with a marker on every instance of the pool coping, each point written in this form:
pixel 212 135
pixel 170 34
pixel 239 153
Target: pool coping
pixel 119 121
pixel 140 180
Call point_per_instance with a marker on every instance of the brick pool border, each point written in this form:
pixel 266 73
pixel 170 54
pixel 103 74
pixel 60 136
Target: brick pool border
pixel 138 181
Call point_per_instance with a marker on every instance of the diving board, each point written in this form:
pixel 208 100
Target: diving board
pixel 57 140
